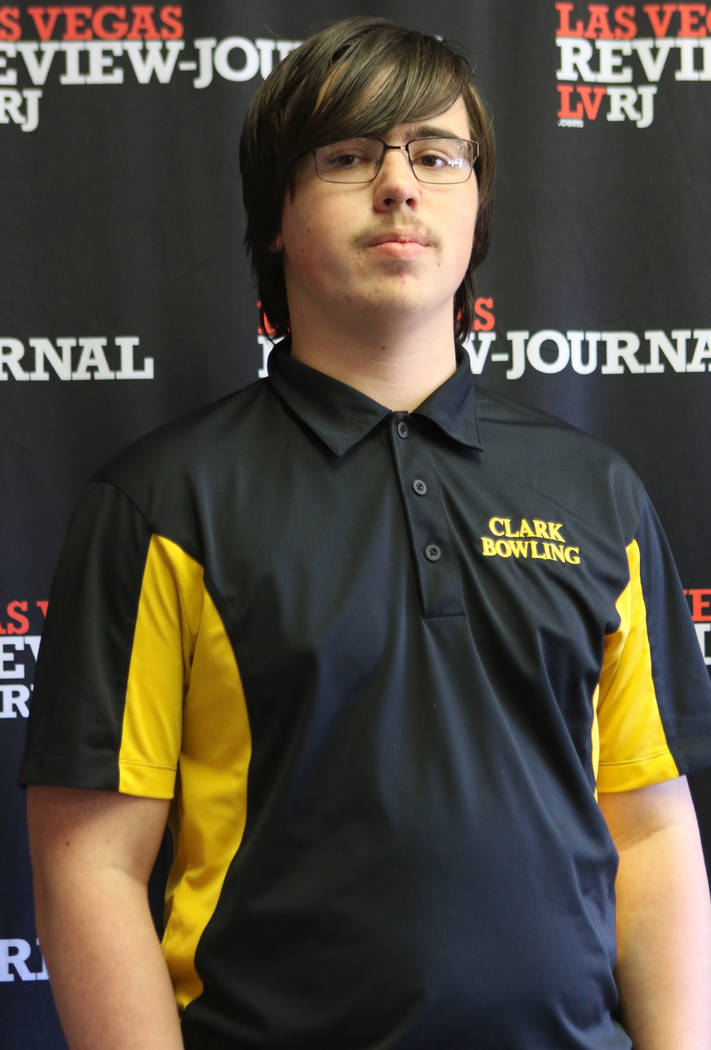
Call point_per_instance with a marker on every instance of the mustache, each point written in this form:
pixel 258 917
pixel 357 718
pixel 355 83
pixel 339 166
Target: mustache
pixel 400 231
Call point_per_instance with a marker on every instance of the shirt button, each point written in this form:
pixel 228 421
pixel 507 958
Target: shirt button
pixel 433 552
pixel 419 486
pixel 402 429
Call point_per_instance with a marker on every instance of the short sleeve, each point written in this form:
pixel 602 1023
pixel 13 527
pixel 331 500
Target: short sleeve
pixel 654 709
pixel 115 655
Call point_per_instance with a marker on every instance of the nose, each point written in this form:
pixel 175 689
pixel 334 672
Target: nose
pixel 395 184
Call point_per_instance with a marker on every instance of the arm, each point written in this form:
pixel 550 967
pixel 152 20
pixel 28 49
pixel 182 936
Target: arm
pixel 663 917
pixel 92 854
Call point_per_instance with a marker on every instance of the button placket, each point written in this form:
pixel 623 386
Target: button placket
pixel 428 528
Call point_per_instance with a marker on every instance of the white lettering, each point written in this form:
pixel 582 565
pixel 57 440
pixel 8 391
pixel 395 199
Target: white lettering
pixel 267 345
pixel 580 366
pixel 15 955
pixel 14 701
pixel 653 64
pixel 549 351
pixel 11 353
pixel 561 355
pixel 11 103
pixel 518 342
pixel 101 62
pixel 602 61
pixel 72 66
pixel 621 345
pixel 127 345
pixel 703 633
pixel 10 647
pixel 205 47
pixel 92 357
pixel 9 77
pixel 57 359
pixel 611 54
pixel 150 60
pixel 623 102
pixel 249 67
pixel 659 344
pixel 477 357
pixel 702 351
pixel 38 69
pixel 265 48
pixel 45 353
pixel 575 55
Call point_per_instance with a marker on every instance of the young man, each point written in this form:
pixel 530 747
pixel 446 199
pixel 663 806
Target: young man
pixel 393 756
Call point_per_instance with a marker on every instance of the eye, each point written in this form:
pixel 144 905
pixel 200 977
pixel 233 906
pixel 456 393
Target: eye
pixel 437 154
pixel 344 156
pixel 432 159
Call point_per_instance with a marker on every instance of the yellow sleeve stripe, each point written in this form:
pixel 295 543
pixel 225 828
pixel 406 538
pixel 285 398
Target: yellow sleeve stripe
pixel 168 615
pixel 186 735
pixel 212 810
pixel 633 748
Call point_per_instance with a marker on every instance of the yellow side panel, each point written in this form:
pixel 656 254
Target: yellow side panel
pixel 633 746
pixel 211 802
pixel 186 736
pixel 169 611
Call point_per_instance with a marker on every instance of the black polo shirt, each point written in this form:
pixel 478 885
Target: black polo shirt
pixel 381 662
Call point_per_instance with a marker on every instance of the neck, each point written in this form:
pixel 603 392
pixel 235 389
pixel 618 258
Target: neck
pixel 398 367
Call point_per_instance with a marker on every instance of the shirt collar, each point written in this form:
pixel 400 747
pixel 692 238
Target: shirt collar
pixel 341 415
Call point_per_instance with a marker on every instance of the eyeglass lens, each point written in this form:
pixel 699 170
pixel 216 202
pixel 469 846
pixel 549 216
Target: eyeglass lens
pixel 444 160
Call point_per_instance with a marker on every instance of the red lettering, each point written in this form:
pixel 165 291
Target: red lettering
pixel 700 604
pixel 692 20
pixel 265 328
pixel 10 23
pixel 38 15
pixel 43 606
pixel 660 25
pixel 564 26
pixel 143 27
pixel 117 28
pixel 592 97
pixel 77 23
pixel 599 24
pixel 15 613
pixel 484 314
pixel 172 19
pixel 589 104
pixel 105 22
pixel 565 112
pixel 625 22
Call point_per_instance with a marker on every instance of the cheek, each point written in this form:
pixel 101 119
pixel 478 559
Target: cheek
pixel 464 225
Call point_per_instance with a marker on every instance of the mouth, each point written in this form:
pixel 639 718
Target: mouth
pixel 403 237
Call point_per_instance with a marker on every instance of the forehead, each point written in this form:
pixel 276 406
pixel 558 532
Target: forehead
pixel 452 121
pixel 397 94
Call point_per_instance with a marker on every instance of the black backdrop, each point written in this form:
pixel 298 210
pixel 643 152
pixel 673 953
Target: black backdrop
pixel 126 298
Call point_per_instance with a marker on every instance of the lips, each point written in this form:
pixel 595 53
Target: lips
pixel 399 237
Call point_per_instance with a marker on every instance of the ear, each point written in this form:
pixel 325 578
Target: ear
pixel 277 244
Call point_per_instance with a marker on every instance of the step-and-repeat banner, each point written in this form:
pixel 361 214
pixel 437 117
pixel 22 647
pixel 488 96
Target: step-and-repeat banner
pixel 126 298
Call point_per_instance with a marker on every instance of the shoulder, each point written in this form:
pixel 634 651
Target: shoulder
pixel 176 477
pixel 578 470
pixel 192 440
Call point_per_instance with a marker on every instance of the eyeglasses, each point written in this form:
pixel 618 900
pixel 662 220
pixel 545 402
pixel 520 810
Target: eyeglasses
pixel 433 160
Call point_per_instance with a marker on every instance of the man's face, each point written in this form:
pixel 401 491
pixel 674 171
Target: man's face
pixel 382 252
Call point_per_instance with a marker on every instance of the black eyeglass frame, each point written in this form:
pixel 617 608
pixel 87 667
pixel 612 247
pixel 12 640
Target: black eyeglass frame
pixel 404 148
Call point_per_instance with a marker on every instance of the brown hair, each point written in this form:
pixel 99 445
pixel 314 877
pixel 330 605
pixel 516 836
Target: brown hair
pixel 416 75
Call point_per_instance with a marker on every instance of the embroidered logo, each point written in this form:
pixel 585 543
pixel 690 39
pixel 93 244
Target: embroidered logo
pixel 535 539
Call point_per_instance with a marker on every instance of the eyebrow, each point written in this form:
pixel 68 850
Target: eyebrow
pixel 428 131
